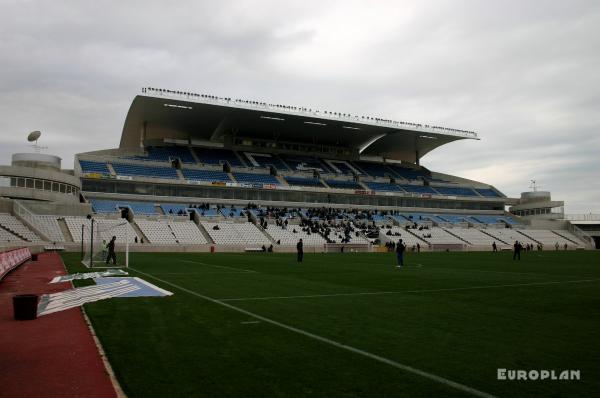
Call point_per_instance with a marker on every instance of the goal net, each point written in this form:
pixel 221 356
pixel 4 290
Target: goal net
pixel 95 240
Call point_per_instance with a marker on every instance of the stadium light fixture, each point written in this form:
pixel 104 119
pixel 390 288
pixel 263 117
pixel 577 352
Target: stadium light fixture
pixel 272 118
pixel 177 106
pixel 316 123
pixel 351 128
pixel 428 137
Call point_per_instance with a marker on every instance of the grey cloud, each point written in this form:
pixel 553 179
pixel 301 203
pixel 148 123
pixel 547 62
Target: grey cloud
pixel 522 74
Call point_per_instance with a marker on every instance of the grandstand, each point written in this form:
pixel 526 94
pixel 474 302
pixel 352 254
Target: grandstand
pixel 237 173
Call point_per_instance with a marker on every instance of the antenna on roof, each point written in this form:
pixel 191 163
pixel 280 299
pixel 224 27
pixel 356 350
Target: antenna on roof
pixel 534 185
pixel 34 137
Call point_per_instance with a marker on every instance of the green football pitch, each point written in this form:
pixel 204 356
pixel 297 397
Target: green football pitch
pixel 354 325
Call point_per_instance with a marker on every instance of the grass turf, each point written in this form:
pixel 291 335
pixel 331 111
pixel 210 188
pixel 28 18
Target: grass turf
pixel 185 345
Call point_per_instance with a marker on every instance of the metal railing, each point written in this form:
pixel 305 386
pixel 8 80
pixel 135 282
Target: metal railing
pixel 582 217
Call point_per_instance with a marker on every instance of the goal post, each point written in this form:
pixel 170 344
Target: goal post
pixel 96 236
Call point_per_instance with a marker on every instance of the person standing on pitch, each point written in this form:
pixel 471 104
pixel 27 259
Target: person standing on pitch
pixel 494 247
pixel 517 250
pixel 300 249
pixel 111 251
pixel 400 253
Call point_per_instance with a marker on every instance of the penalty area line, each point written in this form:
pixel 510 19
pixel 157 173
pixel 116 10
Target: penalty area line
pixel 398 365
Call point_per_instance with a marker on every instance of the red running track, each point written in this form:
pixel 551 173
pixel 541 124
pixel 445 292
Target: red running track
pixel 54 355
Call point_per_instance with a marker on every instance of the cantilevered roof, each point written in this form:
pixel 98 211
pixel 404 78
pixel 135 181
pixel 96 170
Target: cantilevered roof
pixel 189 116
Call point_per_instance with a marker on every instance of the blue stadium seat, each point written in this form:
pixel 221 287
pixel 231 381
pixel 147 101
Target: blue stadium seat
pixel 251 178
pixel 268 161
pixel 489 193
pixel 343 184
pixel 304 182
pixel 211 212
pixel 418 189
pixel 145 171
pixel 234 211
pixel 88 166
pixel 383 186
pixel 343 167
pixel 299 163
pixel 164 154
pixel 104 206
pixel 218 156
pixel 408 173
pixel 455 191
pixel 454 218
pixel 113 206
pixel 205 175
pixel 374 169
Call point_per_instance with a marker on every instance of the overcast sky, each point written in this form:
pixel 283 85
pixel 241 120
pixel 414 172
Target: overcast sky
pixel 525 75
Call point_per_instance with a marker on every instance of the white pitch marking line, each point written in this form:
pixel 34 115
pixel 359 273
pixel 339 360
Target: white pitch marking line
pixel 219 266
pixel 398 365
pixel 451 289
pixel 249 322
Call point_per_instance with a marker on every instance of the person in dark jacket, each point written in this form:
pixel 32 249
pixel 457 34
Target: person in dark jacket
pixel 300 249
pixel 400 248
pixel 517 250
pixel 111 251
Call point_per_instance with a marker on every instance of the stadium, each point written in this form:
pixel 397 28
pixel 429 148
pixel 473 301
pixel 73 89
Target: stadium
pixel 208 197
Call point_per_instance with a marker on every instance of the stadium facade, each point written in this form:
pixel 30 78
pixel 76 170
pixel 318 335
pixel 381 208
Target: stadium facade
pixel 194 171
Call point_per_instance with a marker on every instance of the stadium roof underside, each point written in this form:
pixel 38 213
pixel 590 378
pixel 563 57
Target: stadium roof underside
pixel 191 118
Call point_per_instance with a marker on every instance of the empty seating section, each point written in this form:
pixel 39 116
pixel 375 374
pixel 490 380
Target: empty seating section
pixel 418 189
pixel 437 236
pixel 229 233
pixel 547 238
pixel 6 236
pixel 374 169
pixel 186 232
pixel 287 236
pixel 343 167
pixel 455 191
pixel 251 178
pixel 48 225
pixel 422 217
pixel 113 206
pixel 205 175
pixel 453 218
pixel 164 154
pixel 157 232
pixel 105 227
pixel 299 163
pixel 383 186
pixel 408 173
pixel 509 236
pixel 265 161
pixel 487 219
pixel 104 206
pixel 343 184
pixel 570 236
pixel 490 193
pixel 218 156
pixel 304 181
pixel 15 226
pixel 174 208
pixel 88 166
pixel 145 171
pixel 475 237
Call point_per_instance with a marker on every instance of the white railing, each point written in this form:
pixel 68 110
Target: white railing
pixel 582 217
pixel 29 218
pixel 581 235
